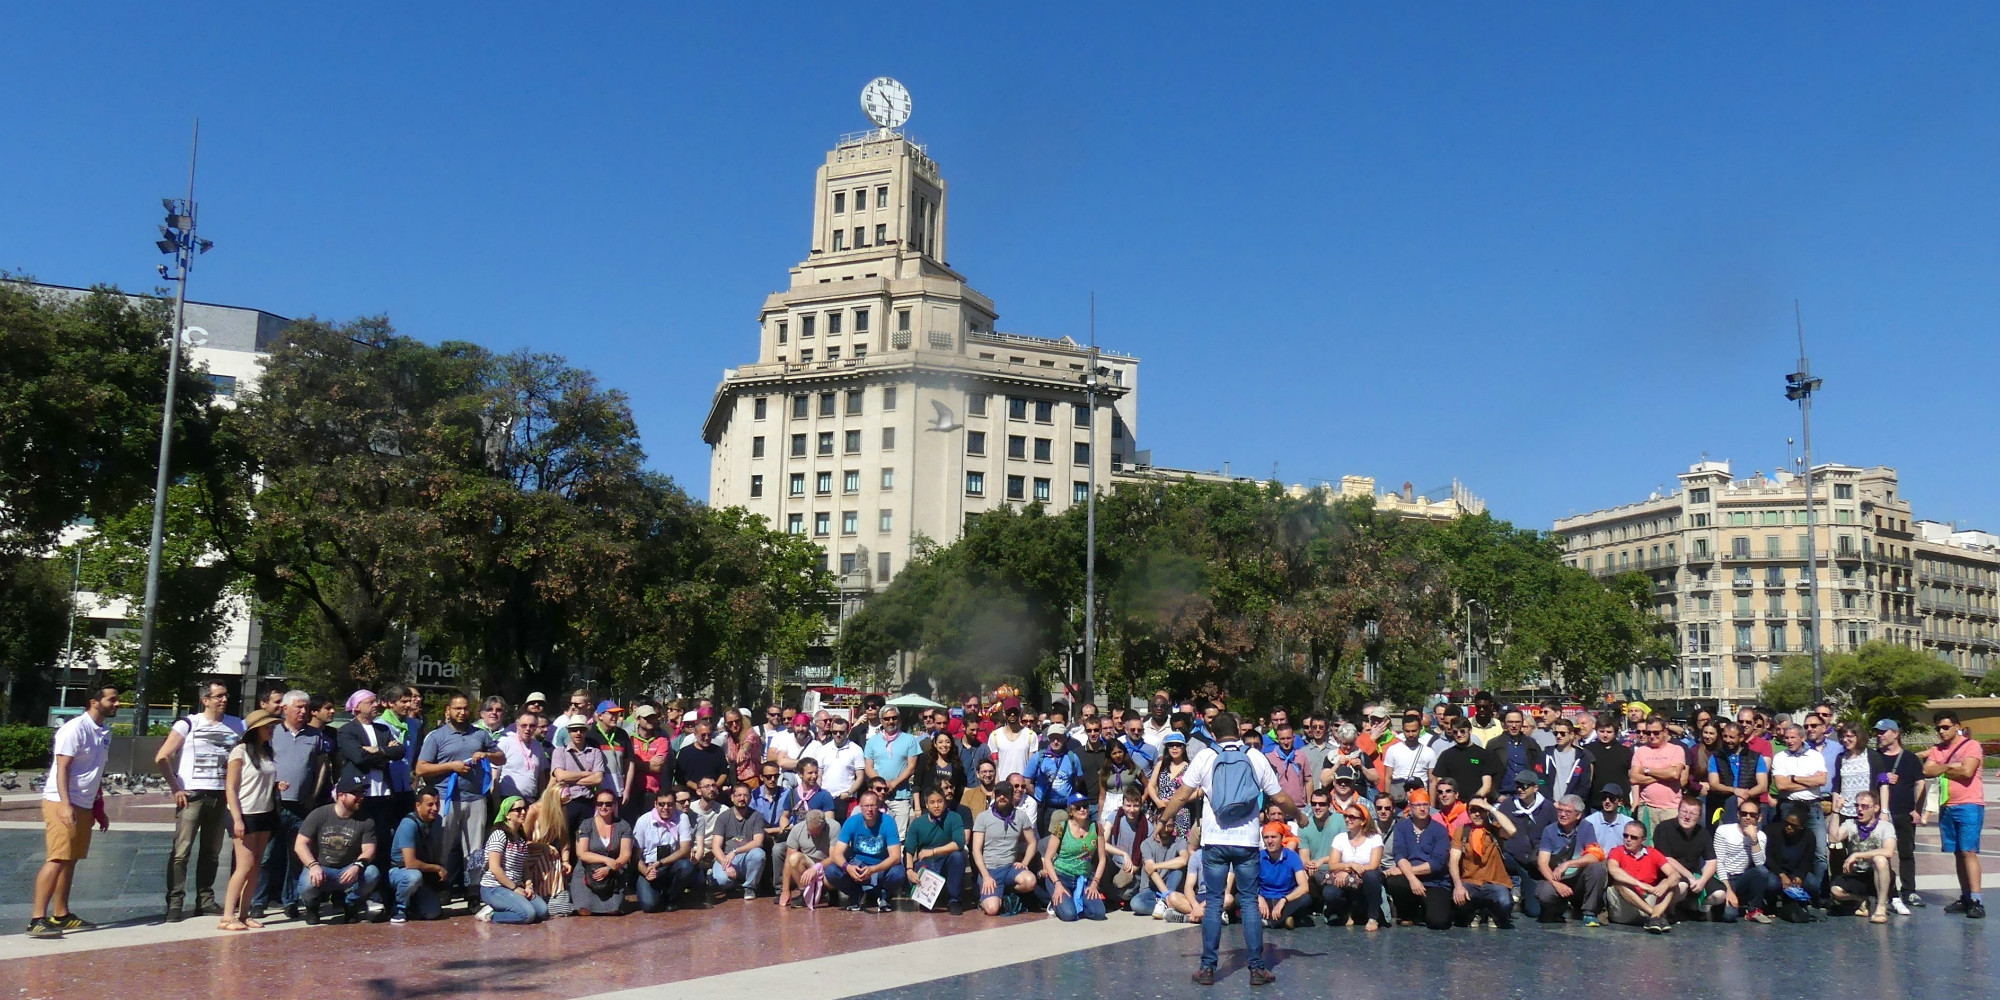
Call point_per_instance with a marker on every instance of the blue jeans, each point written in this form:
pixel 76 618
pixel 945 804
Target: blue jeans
pixel 1073 906
pixel 1494 899
pixel 952 868
pixel 1149 899
pixel 1355 905
pixel 665 888
pixel 278 875
pixel 350 895
pixel 510 907
pixel 1216 864
pixel 1754 889
pixel 889 881
pixel 749 869
pixel 1526 877
pixel 413 897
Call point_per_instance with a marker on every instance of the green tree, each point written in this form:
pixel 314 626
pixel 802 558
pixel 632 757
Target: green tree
pixel 1577 632
pixel 1880 680
pixel 34 618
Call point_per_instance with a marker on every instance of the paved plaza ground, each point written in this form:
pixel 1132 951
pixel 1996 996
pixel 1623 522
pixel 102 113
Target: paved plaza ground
pixel 752 949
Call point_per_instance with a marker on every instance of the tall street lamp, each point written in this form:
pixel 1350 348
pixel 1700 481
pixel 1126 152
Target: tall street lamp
pixel 1800 386
pixel 177 237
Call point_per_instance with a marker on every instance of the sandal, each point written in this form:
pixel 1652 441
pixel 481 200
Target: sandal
pixel 255 925
pixel 1880 917
pixel 231 925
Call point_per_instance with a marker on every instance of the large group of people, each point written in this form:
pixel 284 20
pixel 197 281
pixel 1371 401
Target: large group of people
pixel 1180 811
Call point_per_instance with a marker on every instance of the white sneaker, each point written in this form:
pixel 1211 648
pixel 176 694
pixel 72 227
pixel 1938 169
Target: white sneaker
pixel 1160 912
pixel 485 915
pixel 1899 906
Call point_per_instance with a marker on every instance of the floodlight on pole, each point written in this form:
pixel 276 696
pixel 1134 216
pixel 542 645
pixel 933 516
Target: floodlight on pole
pixel 1799 388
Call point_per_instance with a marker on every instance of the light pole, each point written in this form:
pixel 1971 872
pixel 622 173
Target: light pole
pixel 178 238
pixel 1465 665
pixel 1090 384
pixel 1800 385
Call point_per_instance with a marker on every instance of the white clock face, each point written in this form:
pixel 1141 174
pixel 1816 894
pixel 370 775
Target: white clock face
pixel 886 102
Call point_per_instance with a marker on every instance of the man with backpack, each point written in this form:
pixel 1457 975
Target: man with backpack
pixel 1235 783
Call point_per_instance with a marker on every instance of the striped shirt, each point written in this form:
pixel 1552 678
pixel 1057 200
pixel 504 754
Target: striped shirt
pixel 513 858
pixel 1733 855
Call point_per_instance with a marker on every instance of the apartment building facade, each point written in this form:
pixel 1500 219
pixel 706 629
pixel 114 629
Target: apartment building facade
pixel 1958 595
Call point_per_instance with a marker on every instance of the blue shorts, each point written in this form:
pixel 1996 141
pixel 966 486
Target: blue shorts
pixel 1958 827
pixel 1004 878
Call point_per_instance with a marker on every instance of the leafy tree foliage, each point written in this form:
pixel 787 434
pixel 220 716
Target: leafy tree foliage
pixel 1880 680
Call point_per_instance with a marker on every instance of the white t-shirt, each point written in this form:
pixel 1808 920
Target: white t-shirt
pixel 86 744
pixel 1406 762
pixel 839 766
pixel 1799 765
pixel 1246 833
pixel 1355 853
pixel 205 747
pixel 1011 753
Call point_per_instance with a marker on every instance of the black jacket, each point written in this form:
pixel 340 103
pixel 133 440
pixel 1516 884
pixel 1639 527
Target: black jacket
pixel 357 758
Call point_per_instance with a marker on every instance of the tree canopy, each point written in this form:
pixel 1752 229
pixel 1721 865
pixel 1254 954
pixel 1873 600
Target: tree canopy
pixel 1880 680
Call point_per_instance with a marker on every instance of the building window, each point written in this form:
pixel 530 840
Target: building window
pixel 888 479
pixel 795 524
pixel 801 407
pixel 1017 408
pixel 881 567
pixel 1079 491
pixel 850 522
pixel 1773 546
pixel 1043 448
pixel 828 403
pixel 885 521
pixel 881 234
pixel 975 404
pixel 882 201
pixel 854 402
pixel 1082 417
pixel 1698 520
pixel 1746 675
pixel 840 202
pixel 797 484
pixel 826 442
pixel 903 320
pixel 757 408
pixel 975 442
pixel 851 442
pixel 1045 412
pixel 822 523
pixel 839 239
pixel 806 327
pixel 757 446
pixel 833 353
pixel 847 563
pixel 860 237
pixel 1017 487
pixel 1777 638
pixel 798 446
pixel 888 439
pixel 860 199
pixel 1081 450
pixel 756 486
pixel 1843 491
pixel 860 351
pixel 975 484
pixel 888 397
pixel 806 356
pixel 1698 495
pixel 1740 547
pixel 1042 490
pixel 1017 447
pixel 823 483
pixel 832 323
pixel 850 481
pixel 784 333
pixel 860 321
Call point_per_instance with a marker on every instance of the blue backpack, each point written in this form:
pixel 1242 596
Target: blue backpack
pixel 1233 790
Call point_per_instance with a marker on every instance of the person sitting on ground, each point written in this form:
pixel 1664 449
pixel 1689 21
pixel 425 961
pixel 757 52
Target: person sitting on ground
pixel 936 843
pixel 417 874
pixel 1645 883
pixel 1871 851
pixel 1283 891
pixel 1607 824
pixel 1315 839
pixel 1124 832
pixel 1480 885
pixel 806 848
pixel 603 860
pixel 736 844
pixel 504 886
pixel 1571 866
pixel 867 858
pixel 1794 853
pixel 1004 847
pixel 336 843
pixel 550 847
pixel 1163 866
pixel 1075 864
pixel 1747 885
pixel 1692 846
pixel 1420 883
pixel 666 871
pixel 1353 872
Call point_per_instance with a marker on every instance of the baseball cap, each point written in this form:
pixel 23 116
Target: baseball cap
pixel 1347 772
pixel 690 716
pixel 535 696
pixel 1888 726
pixel 1612 789
pixel 1527 778
pixel 607 705
pixel 1078 798
pixel 353 784
pixel 1011 703
pixel 645 712
pixel 1055 729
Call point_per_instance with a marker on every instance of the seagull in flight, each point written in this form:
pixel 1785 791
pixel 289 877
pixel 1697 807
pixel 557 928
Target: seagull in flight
pixel 944 421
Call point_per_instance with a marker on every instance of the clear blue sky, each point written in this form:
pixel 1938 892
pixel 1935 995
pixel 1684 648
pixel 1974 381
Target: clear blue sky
pixel 1548 249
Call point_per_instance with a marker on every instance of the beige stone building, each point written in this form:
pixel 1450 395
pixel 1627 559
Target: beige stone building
pixel 883 405
pixel 1727 558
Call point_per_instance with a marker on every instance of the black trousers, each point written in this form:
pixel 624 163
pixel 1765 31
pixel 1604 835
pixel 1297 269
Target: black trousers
pixel 1433 907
